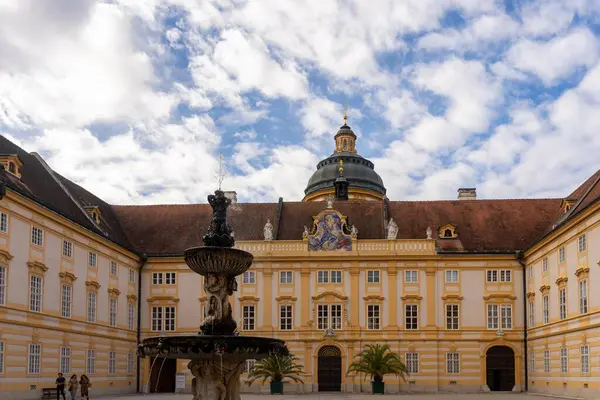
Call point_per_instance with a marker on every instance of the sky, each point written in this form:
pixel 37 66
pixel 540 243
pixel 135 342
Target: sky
pixel 134 100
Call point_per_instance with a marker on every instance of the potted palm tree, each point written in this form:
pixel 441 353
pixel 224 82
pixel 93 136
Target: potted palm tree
pixel 276 367
pixel 376 361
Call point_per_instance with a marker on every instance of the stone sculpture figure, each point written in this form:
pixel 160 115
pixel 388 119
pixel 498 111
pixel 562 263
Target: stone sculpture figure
pixel 268 230
pixel 354 232
pixel 428 232
pixel 392 230
pixel 305 233
pixel 219 233
pixel 330 199
pixel 219 318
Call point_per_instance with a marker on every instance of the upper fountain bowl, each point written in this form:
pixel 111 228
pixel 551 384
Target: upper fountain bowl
pixel 225 261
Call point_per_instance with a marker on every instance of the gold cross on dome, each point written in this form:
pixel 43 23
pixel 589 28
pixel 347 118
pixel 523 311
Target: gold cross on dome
pixel 341 169
pixel 345 114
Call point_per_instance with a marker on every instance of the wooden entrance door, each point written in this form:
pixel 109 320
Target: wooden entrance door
pixel 500 368
pixel 330 369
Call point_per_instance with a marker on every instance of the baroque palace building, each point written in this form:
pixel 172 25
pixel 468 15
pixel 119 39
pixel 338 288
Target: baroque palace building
pixel 475 295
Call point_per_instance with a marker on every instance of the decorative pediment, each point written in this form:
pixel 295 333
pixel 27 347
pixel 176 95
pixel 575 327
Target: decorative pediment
pixel 530 295
pixel 92 285
pixel 452 297
pixel 132 297
pixel 248 299
pixel 544 289
pixel 562 281
pixel 500 296
pixel 67 277
pixel 372 297
pixel 113 292
pixel 582 272
pixel 330 232
pixel 37 267
pixel 286 298
pixel 329 294
pixel 411 297
pixel 447 231
pixel 203 299
pixel 163 298
pixel 5 256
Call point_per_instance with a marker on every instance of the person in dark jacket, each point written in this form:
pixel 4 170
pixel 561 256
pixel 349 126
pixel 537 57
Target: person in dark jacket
pixel 60 386
pixel 85 384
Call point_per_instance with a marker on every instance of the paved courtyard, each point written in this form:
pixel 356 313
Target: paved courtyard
pixel 350 396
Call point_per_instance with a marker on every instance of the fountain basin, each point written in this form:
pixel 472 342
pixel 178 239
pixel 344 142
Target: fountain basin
pixel 226 261
pixel 211 347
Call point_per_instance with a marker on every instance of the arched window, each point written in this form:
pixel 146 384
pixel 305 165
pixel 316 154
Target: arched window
pixel 345 145
pixel 447 233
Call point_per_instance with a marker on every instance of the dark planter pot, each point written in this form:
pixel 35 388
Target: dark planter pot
pixel 378 387
pixel 276 387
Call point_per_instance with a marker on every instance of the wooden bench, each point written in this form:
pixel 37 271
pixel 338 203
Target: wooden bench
pixel 49 393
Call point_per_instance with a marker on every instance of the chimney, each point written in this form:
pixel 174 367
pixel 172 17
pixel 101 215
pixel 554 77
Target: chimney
pixel 231 195
pixel 467 194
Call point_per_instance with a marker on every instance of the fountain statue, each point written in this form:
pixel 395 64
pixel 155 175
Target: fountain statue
pixel 218 353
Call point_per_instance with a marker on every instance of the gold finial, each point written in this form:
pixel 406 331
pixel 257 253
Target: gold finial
pixel 341 168
pixel 345 114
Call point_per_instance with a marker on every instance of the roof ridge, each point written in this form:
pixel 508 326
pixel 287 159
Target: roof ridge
pixel 571 211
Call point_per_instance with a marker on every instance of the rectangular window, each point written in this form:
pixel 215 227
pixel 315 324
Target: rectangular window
pixel 561 254
pixel 34 359
pixel 112 362
pixel 131 275
pixel 545 310
pixel 170 278
pixel 285 318
pixel 492 276
pixel 249 277
pixel 412 363
pixel 157 318
pixel 336 276
pixel 564 360
pixel 65 360
pixel 373 276
pixel 530 272
pixel 531 310
pixel 373 316
pixel 336 316
pixel 170 318
pixel 1 357
pixel 453 363
pixel 562 303
pixel 92 259
pixel 91 307
pixel 492 316
pixel 545 264
pixel 248 318
pixel 65 301
pixel 410 276
pixel 451 316
pixel 285 277
pixel 531 362
pixel 322 316
pixel 585 359
pixel 583 298
pixel 3 222
pixel 2 285
pixel 546 361
pixel 113 268
pixel 249 366
pixel 506 316
pixel 37 236
pixel 67 249
pixel 35 298
pixel 411 316
pixel 131 316
pixel 130 363
pixel 505 275
pixel 581 243
pixel 112 314
pixel 452 276
pixel 322 276
pixel 157 278
pixel 90 364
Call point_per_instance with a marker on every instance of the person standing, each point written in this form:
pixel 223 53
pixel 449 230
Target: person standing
pixel 60 386
pixel 85 384
pixel 73 385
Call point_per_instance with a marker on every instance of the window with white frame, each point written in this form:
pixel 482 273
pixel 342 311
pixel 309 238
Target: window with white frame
pixel 2 285
pixel 531 312
pixel 336 316
pixel 113 268
pixel 412 363
pixel 452 276
pixel 130 363
pixel 531 361
pixel 92 259
pixel 131 316
pixel 492 316
pixel 131 275
pixel 66 300
pixel 581 243
pixel 1 357
pixel 322 276
pixel 91 307
pixel 372 276
pixel 285 277
pixel 249 366
pixel 583 297
pixel 452 316
pixel 65 360
pixel 249 277
pixel 112 362
pixel 545 309
pixel 452 363
pixel 545 264
pixel 157 278
pixel 564 360
pixel 506 316
pixel 170 278
pixel 112 314
pixel 3 222
pixel 34 357
pixel 164 318
pixel 502 275
pixel 561 254
pixel 411 316
pixel 373 316
pixel 410 276
pixel 248 318
pixel 322 316
pixel 157 319
pixel 67 249
pixel 336 276
pixel 562 302
pixel 37 236
pixel 285 317
pixel 35 293
pixel 170 318
pixel 585 359
pixel 90 362
pixel 546 361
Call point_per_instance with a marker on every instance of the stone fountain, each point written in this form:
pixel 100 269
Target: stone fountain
pixel 218 353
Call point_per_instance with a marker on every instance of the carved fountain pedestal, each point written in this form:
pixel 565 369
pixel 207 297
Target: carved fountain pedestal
pixel 218 353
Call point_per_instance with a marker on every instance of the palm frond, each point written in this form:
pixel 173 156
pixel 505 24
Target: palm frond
pixel 377 361
pixel 277 368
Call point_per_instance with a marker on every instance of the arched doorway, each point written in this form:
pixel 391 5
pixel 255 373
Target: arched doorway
pixel 329 369
pixel 165 382
pixel 500 368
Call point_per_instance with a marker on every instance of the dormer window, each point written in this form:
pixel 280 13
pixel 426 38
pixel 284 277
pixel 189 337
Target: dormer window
pixel 567 204
pixel 447 231
pixel 11 163
pixel 94 212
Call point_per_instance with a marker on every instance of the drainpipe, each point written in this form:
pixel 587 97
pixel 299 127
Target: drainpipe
pixel 519 255
pixel 139 314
